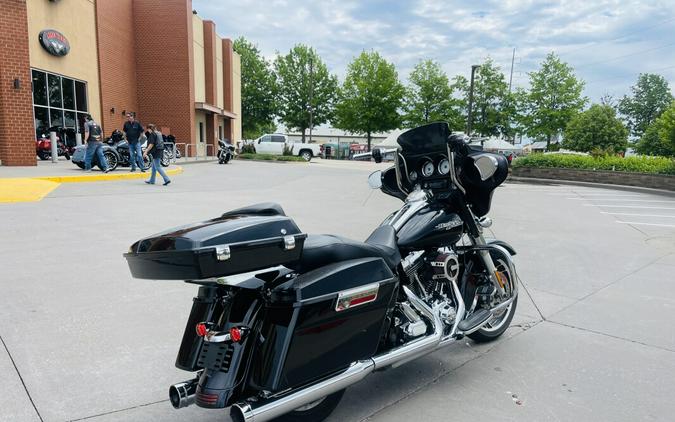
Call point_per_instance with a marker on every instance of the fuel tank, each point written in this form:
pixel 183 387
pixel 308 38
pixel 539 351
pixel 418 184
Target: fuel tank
pixel 432 227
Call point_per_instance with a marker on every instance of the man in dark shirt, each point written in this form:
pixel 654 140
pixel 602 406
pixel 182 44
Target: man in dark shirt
pixel 133 131
pixel 155 149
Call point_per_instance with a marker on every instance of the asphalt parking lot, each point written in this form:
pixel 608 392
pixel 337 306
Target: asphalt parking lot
pixel 592 339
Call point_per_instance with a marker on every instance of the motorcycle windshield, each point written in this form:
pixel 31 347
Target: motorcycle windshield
pixel 425 139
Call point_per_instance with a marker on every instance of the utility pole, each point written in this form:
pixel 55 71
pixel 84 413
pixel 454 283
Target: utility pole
pixel 513 57
pixel 470 123
pixel 311 95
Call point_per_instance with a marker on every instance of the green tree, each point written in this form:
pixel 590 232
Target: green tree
pixel 370 96
pixel 554 98
pixel 491 102
pixel 597 127
pixel 258 90
pixel 659 138
pixel 650 96
pixel 304 85
pixel 429 97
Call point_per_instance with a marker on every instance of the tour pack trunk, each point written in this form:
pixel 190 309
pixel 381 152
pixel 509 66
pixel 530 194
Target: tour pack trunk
pixel 231 244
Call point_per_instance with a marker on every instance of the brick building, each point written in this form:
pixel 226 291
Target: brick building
pixel 61 59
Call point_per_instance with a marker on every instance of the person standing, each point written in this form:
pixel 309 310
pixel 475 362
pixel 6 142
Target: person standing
pixel 133 130
pixel 92 136
pixel 155 149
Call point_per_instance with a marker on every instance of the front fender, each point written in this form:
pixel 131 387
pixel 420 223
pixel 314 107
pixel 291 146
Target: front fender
pixel 503 244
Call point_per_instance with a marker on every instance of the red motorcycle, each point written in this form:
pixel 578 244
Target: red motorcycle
pixel 43 146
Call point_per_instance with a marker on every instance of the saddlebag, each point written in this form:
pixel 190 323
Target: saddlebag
pixel 231 244
pixel 322 321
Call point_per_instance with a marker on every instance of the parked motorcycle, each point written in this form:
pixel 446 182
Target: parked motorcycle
pixel 115 151
pixel 283 321
pixel 225 152
pixel 170 147
pixel 43 148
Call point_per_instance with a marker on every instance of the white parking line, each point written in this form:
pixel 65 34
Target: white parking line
pixel 646 224
pixel 638 215
pixel 628 206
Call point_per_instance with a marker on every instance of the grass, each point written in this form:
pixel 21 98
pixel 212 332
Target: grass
pixel 270 157
pixel 640 164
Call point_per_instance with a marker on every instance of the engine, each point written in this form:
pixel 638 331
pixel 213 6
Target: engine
pixel 431 276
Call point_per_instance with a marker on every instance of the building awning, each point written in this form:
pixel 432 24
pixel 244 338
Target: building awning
pixel 215 110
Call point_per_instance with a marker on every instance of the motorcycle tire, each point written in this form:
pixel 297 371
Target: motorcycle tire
pixel 487 334
pixel 147 163
pixel 112 160
pixel 44 155
pixel 314 412
pixel 228 158
pixel 67 156
pixel 166 158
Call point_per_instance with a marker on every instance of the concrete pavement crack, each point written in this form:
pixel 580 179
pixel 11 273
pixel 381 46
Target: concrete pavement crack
pixel 448 371
pixel 623 277
pixel 562 324
pixel 117 411
pixel 21 378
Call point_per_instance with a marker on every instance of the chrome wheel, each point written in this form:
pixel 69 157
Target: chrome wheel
pixel 111 158
pixel 497 321
pixel 306 155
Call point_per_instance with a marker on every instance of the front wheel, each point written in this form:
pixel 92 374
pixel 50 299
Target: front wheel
pixel 44 155
pixel 111 159
pixel 166 158
pixel 315 411
pixel 497 325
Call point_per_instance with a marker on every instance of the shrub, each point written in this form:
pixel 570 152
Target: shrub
pixel 269 157
pixel 640 164
pixel 288 150
pixel 248 149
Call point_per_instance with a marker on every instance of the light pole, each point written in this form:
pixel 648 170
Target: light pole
pixel 470 120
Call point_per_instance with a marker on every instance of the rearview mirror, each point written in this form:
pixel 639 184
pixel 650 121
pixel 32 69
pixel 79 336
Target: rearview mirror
pixel 377 155
pixel 375 179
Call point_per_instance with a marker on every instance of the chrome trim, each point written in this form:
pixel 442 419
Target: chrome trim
pixel 461 308
pixel 486 165
pixel 416 201
pixel 183 393
pixel 453 174
pixel 485 222
pixel 289 242
pixel 217 336
pixel 223 252
pixel 355 293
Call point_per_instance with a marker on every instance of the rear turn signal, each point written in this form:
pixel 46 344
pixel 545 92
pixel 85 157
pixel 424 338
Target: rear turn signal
pixel 201 329
pixel 235 334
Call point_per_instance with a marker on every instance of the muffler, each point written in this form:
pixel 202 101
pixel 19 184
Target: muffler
pixel 183 393
pixel 264 410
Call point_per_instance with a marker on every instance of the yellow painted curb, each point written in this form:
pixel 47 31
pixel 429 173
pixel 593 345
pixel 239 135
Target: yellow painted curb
pixel 25 189
pixel 103 177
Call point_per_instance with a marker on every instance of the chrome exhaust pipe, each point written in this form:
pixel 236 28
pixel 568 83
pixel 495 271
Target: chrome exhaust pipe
pixel 273 408
pixel 183 393
pixel 264 410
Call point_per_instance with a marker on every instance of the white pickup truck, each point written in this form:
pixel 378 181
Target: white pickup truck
pixel 274 144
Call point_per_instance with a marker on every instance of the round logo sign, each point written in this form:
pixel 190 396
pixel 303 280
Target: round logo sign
pixel 54 42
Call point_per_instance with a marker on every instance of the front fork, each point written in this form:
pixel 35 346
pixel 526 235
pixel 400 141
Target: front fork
pixel 484 253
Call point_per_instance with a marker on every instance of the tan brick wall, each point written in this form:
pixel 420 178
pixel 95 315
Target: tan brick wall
pixel 210 62
pixel 117 61
pixel 17 136
pixel 164 74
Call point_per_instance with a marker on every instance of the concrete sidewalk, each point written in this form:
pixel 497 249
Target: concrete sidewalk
pixel 32 183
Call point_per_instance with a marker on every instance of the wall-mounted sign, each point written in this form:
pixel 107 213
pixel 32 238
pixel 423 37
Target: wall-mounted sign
pixel 54 42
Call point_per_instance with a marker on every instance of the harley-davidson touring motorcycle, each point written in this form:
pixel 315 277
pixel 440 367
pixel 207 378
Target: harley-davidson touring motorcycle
pixel 283 321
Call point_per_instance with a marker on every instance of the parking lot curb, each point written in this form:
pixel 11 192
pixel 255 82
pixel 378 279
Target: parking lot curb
pixel 104 177
pixel 540 181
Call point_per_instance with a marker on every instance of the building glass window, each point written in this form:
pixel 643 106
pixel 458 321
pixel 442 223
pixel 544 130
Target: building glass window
pixel 39 88
pixel 57 101
pixel 201 132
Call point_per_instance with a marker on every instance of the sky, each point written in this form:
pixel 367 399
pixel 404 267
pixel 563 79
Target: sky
pixel 608 42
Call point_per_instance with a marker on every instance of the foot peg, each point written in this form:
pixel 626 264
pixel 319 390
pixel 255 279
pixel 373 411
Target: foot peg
pixel 475 321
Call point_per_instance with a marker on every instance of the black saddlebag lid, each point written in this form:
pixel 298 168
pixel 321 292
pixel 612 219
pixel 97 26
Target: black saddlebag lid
pixel 230 244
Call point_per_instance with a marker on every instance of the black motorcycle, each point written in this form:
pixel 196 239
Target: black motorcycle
pixel 284 321
pixel 225 152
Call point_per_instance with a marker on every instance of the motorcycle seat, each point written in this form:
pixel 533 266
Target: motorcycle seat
pixel 264 208
pixel 324 249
